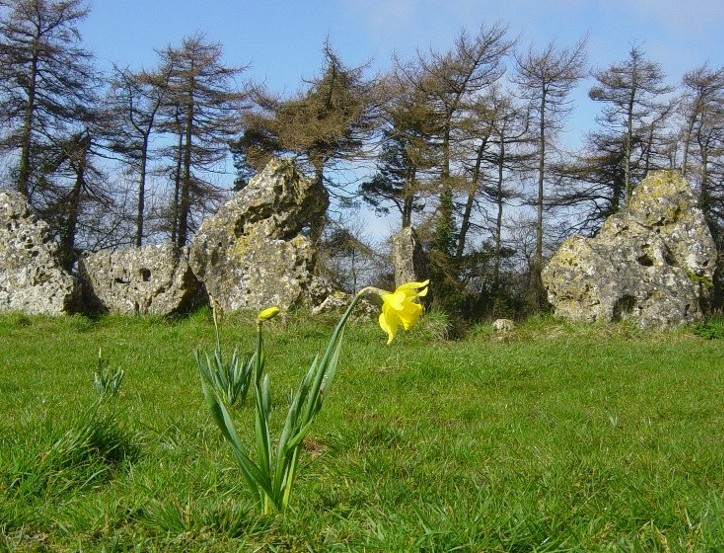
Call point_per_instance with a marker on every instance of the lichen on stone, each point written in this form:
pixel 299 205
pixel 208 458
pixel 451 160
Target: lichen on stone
pixel 266 259
pixel 651 262
pixel 32 280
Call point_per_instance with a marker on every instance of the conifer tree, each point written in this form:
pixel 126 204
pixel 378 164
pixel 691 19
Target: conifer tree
pixel 633 92
pixel 46 82
pixel 203 111
pixel 546 79
pixel 323 127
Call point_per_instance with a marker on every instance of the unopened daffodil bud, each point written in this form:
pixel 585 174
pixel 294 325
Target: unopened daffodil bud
pixel 268 313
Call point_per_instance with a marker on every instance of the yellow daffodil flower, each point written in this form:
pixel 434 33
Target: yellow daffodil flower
pixel 400 308
pixel 268 313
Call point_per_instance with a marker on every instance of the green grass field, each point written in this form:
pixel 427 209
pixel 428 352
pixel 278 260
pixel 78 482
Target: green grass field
pixel 561 437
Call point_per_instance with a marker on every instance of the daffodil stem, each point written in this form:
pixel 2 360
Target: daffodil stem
pixel 216 329
pixel 370 290
pixel 343 321
pixel 257 361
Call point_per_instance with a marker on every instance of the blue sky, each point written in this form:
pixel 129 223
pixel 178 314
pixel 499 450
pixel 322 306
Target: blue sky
pixel 281 41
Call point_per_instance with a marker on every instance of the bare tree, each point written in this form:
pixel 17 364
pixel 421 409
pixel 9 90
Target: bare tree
pixel 443 88
pixel 632 91
pixel 509 140
pixel 547 78
pixel 204 113
pixel 452 80
pixel 135 102
pixel 592 181
pixel 46 79
pixel 702 108
pixel 347 255
pixel 702 111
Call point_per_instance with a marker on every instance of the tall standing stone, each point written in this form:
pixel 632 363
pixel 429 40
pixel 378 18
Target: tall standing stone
pixel 32 280
pixel 253 253
pixel 408 257
pixel 653 262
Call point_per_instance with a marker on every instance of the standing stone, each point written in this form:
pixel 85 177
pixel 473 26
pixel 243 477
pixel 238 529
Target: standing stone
pixel 32 280
pixel 653 262
pixel 139 281
pixel 253 253
pixel 408 257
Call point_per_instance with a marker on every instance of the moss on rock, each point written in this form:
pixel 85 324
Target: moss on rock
pixel 651 262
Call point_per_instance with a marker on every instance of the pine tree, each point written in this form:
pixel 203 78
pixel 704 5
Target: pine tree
pixel 203 111
pixel 395 181
pixel 546 79
pixel 47 81
pixel 632 91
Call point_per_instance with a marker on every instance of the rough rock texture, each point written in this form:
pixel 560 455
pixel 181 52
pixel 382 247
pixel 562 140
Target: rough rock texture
pixel 252 253
pixel 503 326
pixel 32 280
pixel 652 262
pixel 408 257
pixel 338 302
pixel 149 280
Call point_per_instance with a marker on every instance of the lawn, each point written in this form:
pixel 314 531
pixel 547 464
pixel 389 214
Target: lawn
pixel 559 437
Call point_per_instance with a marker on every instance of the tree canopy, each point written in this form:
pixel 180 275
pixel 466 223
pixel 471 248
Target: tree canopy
pixel 462 143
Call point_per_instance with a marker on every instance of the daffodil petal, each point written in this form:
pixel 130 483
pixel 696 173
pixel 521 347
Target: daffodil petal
pixel 400 308
pixel 396 300
pixel 413 285
pixel 410 315
pixel 388 326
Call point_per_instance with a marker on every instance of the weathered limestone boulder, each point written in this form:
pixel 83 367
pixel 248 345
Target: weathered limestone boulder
pixel 337 302
pixel 503 326
pixel 148 280
pixel 32 281
pixel 652 262
pixel 408 258
pixel 252 253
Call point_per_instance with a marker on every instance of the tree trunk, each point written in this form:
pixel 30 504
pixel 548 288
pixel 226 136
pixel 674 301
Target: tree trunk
pixel 627 149
pixel 408 201
pixel 687 144
pixel 185 192
pixel 26 137
pixel 541 189
pixel 67 242
pixel 498 219
pixel 141 193
pixel 537 283
pixel 445 227
pixel 704 194
pixel 407 212
pixel 177 189
pixel 467 213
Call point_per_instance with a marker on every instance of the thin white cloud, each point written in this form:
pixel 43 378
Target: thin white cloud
pixel 680 16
